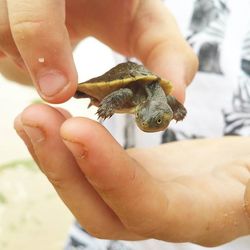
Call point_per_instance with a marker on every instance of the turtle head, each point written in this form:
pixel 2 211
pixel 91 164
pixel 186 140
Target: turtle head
pixel 152 116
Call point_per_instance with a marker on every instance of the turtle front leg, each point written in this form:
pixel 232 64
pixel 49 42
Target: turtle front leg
pixel 179 111
pixel 117 100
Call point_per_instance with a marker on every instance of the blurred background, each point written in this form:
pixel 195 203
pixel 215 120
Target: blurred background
pixel 30 211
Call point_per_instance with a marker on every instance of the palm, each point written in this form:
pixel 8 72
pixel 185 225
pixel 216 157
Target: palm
pixel 201 179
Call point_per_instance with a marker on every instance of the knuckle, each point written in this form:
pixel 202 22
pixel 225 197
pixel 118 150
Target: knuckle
pixel 55 180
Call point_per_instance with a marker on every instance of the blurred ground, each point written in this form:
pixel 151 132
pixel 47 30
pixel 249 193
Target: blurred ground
pixel 31 214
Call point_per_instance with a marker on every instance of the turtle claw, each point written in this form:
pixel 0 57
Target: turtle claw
pixel 180 114
pixel 104 112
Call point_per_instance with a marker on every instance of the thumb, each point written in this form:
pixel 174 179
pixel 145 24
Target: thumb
pixel 121 182
pixel 39 31
pixel 157 41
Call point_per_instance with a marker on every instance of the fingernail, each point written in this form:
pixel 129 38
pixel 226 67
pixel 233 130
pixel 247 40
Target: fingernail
pixel 35 134
pixel 77 149
pixel 52 82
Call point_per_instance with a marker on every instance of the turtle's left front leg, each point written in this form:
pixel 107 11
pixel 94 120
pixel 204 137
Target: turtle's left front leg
pixel 117 100
pixel 179 111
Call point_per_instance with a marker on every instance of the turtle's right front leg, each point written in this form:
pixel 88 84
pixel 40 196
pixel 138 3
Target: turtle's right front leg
pixel 178 109
pixel 117 100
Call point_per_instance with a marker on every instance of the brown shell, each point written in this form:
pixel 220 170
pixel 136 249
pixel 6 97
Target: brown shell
pixel 118 77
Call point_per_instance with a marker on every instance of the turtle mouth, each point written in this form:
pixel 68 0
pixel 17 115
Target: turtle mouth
pixel 144 126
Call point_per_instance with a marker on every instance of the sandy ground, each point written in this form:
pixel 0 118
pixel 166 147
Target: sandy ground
pixel 31 214
pixel 30 211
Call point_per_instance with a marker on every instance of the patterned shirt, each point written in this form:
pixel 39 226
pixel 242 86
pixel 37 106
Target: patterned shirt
pixel 218 100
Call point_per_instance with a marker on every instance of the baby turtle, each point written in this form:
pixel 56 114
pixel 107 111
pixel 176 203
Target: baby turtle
pixel 131 88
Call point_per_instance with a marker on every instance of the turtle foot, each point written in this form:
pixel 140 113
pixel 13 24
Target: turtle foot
pixel 180 114
pixel 104 112
pixel 113 102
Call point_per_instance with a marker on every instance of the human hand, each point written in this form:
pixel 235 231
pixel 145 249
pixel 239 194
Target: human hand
pixel 39 36
pixel 190 191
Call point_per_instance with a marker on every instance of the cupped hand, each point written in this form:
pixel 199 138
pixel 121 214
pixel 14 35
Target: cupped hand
pixel 39 36
pixel 190 191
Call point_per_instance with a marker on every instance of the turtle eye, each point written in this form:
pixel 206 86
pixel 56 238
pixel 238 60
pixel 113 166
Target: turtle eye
pixel 159 121
pixel 136 115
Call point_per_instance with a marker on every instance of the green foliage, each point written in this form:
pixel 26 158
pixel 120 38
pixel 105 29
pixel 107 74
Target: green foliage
pixel 26 163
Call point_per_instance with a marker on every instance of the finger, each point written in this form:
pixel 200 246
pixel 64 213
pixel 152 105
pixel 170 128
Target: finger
pixel 22 134
pixel 18 125
pixel 65 113
pixel 38 29
pixel 146 30
pixel 247 201
pixel 7 43
pixel 122 183
pixel 157 41
pixel 60 167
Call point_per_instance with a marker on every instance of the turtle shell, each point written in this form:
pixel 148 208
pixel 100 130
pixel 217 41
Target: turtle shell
pixel 120 76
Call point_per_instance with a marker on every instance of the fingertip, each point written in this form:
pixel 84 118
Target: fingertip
pixel 18 123
pixel 179 91
pixel 82 129
pixel 33 112
pixel 55 87
pixel 70 127
pixel 164 50
pixel 18 126
pixel 42 115
pixel 42 39
pixel 178 64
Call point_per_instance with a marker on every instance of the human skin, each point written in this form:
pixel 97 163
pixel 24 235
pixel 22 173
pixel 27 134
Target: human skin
pixel 189 191
pixel 39 36
pixel 198 194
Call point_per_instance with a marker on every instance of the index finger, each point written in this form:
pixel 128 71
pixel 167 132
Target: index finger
pixel 122 183
pixel 40 34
